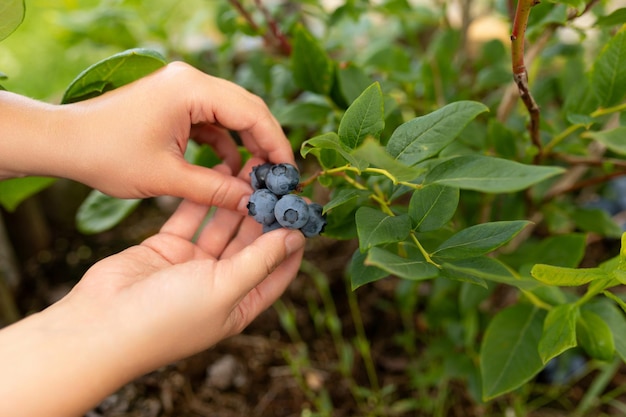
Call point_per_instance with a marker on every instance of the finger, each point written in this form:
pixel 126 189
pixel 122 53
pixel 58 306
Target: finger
pixel 239 110
pixel 220 141
pixel 220 230
pixel 239 274
pixel 186 220
pixel 205 186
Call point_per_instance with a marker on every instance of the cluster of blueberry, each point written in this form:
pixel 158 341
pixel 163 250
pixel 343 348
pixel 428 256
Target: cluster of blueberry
pixel 274 207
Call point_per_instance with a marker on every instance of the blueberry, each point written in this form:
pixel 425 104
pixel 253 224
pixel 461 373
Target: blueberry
pixel 316 223
pixel 282 178
pixel 291 211
pixel 261 206
pixel 257 176
pixel 270 227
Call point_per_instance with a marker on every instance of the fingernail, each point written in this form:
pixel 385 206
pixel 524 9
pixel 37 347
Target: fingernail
pixel 242 207
pixel 294 242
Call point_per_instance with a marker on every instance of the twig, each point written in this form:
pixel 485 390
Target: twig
pixel 520 74
pixel 272 37
pixel 283 43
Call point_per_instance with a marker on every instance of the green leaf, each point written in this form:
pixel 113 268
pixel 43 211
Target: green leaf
pixel 479 239
pixel 432 206
pixel 425 136
pixel 621 303
pixel 481 268
pixel 567 277
pixel 351 80
pixel 361 274
pixel 462 274
pixel 577 4
pixel 608 73
pixel 376 155
pixel 377 228
pixel 11 16
pixel 414 267
pixel 595 336
pixel 343 197
pixel 14 191
pixel 612 139
pixel 364 117
pixel 488 174
pixel 597 221
pixel 100 212
pixel 617 17
pixel 306 113
pixel 330 141
pixel 311 67
pixel 508 354
pixel 113 72
pixel 559 331
pixel 615 319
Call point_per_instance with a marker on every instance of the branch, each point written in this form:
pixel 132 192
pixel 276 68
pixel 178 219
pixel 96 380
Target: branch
pixel 272 37
pixel 283 43
pixel 520 74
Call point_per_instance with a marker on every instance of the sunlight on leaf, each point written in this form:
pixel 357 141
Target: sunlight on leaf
pixel 567 277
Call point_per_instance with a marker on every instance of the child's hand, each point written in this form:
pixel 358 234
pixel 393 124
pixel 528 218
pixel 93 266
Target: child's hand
pixel 177 293
pixel 130 142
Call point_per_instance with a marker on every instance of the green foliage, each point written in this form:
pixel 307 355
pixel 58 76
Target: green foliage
pixel 100 212
pixel 430 167
pixel 12 12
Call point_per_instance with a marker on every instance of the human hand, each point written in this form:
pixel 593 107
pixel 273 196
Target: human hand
pixel 177 293
pixel 130 142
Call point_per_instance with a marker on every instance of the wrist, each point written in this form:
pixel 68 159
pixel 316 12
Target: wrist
pixel 34 138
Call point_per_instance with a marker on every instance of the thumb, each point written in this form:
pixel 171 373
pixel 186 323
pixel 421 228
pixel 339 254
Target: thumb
pixel 210 187
pixel 249 268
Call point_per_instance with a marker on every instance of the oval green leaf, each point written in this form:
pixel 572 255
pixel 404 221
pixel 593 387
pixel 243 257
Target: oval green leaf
pixel 113 72
pixel 489 174
pixel 608 73
pixel 508 354
pixel 559 331
pixel 15 190
pixel 360 273
pixel 100 212
pixel 414 267
pixel 567 277
pixel 11 16
pixel 377 228
pixel 425 136
pixel 479 239
pixel 595 336
pixel 365 117
pixel 312 69
pixel 432 206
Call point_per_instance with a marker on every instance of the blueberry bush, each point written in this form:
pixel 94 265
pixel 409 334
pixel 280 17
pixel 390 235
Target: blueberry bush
pixel 474 153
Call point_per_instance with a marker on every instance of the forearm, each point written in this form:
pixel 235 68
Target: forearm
pixel 60 363
pixel 35 137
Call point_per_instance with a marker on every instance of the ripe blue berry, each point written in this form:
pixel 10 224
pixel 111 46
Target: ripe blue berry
pixel 257 176
pixel 282 178
pixel 261 206
pixel 291 211
pixel 316 223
